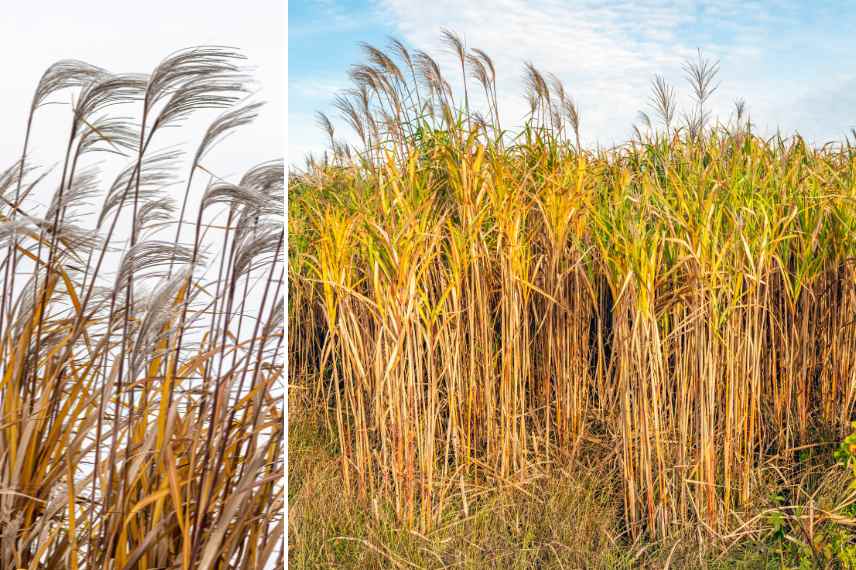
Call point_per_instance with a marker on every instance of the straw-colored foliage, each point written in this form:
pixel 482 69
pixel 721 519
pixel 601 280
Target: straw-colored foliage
pixel 140 354
pixel 471 304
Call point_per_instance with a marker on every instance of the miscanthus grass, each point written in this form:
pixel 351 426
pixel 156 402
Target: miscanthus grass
pixel 472 304
pixel 141 330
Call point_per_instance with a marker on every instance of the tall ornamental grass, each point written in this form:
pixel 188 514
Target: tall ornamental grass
pixel 471 302
pixel 141 330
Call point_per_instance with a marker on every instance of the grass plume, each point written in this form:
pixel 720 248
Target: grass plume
pixel 140 396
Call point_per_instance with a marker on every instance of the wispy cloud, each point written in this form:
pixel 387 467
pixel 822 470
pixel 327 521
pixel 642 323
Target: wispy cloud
pixel 317 87
pixel 783 57
pixel 333 17
pixel 304 137
pixel 605 52
pixel 306 96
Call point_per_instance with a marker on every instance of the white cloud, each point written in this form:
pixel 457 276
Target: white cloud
pixel 781 56
pixel 606 53
pixel 310 95
pixel 304 137
pixel 315 88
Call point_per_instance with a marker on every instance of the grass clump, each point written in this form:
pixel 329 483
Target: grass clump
pixel 140 354
pixel 474 304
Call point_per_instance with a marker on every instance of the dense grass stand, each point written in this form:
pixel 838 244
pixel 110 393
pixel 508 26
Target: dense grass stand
pixel 478 308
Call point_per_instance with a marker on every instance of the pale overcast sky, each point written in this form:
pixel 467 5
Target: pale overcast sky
pixel 790 60
pixel 134 37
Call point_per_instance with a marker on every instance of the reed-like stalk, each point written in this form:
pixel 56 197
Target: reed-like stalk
pixel 472 303
pixel 109 377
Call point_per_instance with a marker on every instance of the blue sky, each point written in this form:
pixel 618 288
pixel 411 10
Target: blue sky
pixel 791 61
